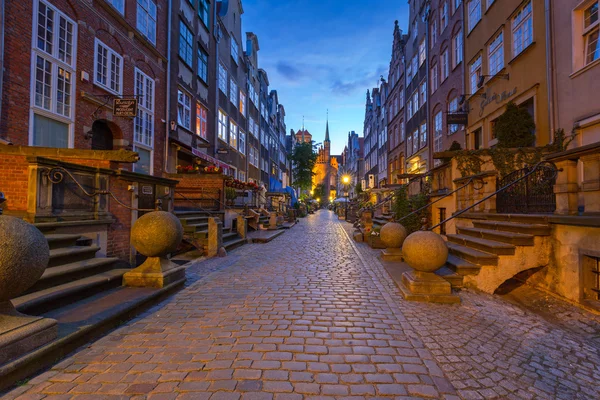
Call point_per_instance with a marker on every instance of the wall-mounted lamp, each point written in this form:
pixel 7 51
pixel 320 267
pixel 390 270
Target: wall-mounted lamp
pixel 173 125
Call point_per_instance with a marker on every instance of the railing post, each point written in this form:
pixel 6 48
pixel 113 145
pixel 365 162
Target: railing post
pixel 241 226
pixel 591 183
pixel 489 186
pixel 566 188
pixel 212 245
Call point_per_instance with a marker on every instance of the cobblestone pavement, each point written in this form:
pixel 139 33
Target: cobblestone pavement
pixel 314 315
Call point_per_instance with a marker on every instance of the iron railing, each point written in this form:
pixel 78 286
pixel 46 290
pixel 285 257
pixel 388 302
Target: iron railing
pixel 404 186
pixel 547 165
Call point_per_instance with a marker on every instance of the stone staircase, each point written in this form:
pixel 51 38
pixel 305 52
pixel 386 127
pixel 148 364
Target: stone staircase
pixel 489 249
pixel 84 293
pixel 195 227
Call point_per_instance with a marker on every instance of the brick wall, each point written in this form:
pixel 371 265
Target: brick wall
pixel 94 20
pixel 13 182
pixel 192 186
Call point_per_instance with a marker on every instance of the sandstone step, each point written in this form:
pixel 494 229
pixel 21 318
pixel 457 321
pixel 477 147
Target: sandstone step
pixel 455 280
pixel 517 218
pixel 472 255
pixel 489 246
pixel 194 220
pixel 82 322
pixel 531 229
pixel 65 255
pixel 196 227
pixel 198 213
pixel 51 227
pixel 519 239
pixel 52 298
pixel 234 243
pixel 73 271
pixel 58 240
pixel 462 267
pixel 229 236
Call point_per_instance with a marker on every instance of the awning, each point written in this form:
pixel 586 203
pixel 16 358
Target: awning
pixel 217 163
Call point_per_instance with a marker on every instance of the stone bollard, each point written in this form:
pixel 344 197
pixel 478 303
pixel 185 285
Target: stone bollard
pixel 392 235
pixel 24 256
pixel 273 220
pixel 155 235
pixel 242 226
pixel 426 252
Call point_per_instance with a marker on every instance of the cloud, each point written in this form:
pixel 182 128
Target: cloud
pixel 364 80
pixel 289 72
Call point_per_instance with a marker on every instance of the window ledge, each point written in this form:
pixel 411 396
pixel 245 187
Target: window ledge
pixel 584 69
pixel 496 76
pixel 524 51
pixel 475 27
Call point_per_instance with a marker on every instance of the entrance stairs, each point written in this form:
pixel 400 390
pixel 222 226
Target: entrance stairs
pixel 489 249
pixel 84 293
pixel 195 228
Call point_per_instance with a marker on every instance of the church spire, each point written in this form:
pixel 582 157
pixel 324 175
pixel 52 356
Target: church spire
pixel 327 128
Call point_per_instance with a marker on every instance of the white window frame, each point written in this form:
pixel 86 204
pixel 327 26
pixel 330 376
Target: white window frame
pixel 473 13
pixel 145 106
pixel 200 121
pixel 242 103
pixel 242 142
pixel 223 124
pixel 475 72
pixel 438 131
pixel 444 16
pixel 453 107
pixel 521 22
pixel 144 12
pixel 433 32
pixel 496 54
pixel 444 65
pixel 202 64
pixel 118 5
pixel 456 5
pixel 589 31
pixel 186 108
pixel 422 52
pixel 423 135
pixel 109 72
pixel 223 78
pixel 457 44
pixel 434 78
pixel 56 64
pixel 233 134
pixel 233 92
pixel 235 50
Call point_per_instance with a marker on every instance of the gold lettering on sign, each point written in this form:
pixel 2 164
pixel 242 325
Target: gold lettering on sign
pixel 495 97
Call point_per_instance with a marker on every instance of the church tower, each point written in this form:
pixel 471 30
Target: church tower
pixel 327 142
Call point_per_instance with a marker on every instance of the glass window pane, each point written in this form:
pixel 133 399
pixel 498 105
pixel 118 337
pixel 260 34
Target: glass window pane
pixel 49 133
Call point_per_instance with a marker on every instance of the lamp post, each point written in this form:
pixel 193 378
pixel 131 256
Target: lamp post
pixel 346 181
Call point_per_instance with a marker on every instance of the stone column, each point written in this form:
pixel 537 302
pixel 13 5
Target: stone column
pixel 273 220
pixel 566 188
pixel 490 183
pixel 242 227
pixel 212 245
pixel 591 183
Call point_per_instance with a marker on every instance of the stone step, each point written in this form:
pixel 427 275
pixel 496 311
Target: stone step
pixel 455 280
pixel 195 227
pixel 229 236
pixel 198 213
pixel 55 297
pixel 82 322
pixel 66 255
pixel 489 246
pixel 58 240
pixel 518 239
pixel 518 218
pixel 531 229
pixel 472 255
pixel 233 241
pixel 462 267
pixel 194 220
pixel 71 272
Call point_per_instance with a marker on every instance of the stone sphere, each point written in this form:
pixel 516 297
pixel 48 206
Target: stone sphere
pixel 392 235
pixel 156 234
pixel 425 251
pixel 24 255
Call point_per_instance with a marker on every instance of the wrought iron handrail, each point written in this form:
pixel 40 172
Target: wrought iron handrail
pixel 57 175
pixel 404 186
pixel 535 168
pixel 194 203
pixel 473 179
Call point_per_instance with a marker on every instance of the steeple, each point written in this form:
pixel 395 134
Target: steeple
pixel 327 129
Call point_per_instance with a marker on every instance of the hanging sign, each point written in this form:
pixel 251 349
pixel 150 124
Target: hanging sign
pixel 125 107
pixel 457 118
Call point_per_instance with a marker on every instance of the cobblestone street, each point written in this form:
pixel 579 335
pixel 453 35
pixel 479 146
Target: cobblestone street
pixel 314 315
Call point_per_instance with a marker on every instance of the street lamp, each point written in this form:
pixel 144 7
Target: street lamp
pixel 346 182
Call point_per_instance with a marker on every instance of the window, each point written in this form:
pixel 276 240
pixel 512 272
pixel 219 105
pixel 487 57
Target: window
pixel 457 44
pixel 408 73
pixel 423 131
pixel 242 176
pixel 423 92
pixel 415 66
pixel 201 120
pixel 477 139
pixel 109 67
pixel 234 50
pixel 496 54
pixel 474 74
pixel 203 9
pixel 184 109
pixel 453 107
pixel 146 19
pixel 444 16
pixel 401 98
pixel 118 4
pixel 433 32
pixel 591 33
pixel 416 104
pixel 522 28
pixel 222 79
pixel 233 134
pixel 437 139
pixel 256 130
pixel 422 53
pixel 202 64
pixel 444 67
pixel 233 92
pixel 409 108
pixel 242 147
pixel 415 141
pixel 222 126
pixel 456 5
pixel 489 3
pixel 186 47
pixel 434 78
pixel 53 83
pixel 144 122
pixel 474 13
pixel 402 131
pixel 243 103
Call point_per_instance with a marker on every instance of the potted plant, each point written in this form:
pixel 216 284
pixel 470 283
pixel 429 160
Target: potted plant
pixel 230 195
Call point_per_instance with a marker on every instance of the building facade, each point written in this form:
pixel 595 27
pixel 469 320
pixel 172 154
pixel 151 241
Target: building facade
pixel 446 74
pixel 395 106
pixel 326 168
pixel 506 60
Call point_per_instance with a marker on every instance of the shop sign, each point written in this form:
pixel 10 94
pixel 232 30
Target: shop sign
pixel 457 118
pixel 125 107
pixel 497 98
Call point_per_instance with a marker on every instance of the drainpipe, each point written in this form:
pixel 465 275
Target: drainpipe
pixel 168 90
pixel 1 52
pixel 550 70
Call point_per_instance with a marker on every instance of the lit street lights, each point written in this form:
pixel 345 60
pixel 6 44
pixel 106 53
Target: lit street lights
pixel 346 182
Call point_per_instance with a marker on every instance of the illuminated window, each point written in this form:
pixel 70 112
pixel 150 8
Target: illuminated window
pixel 233 135
pixel 591 33
pixel 222 126
pixel 201 120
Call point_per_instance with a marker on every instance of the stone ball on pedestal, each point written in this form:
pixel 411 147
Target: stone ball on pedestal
pixel 24 255
pixel 392 235
pixel 425 251
pixel 156 234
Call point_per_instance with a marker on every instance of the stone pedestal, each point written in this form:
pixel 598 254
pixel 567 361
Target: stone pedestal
pixel 20 334
pixel 590 185
pixel 427 287
pixel 391 254
pixel 566 188
pixel 273 220
pixel 156 272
